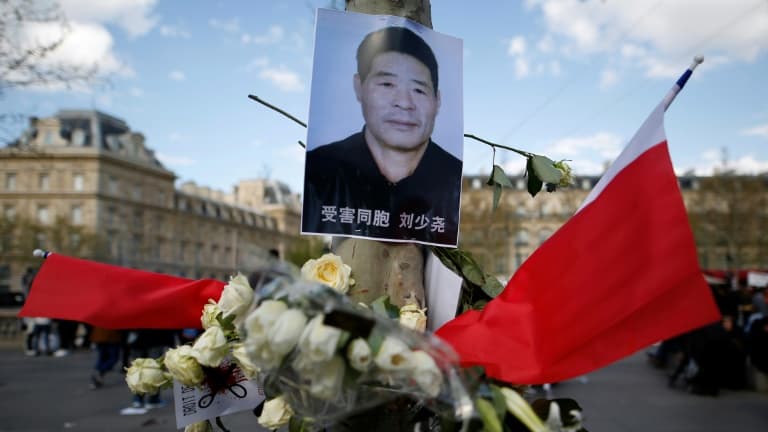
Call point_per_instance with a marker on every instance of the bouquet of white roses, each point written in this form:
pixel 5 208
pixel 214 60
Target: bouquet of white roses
pixel 320 358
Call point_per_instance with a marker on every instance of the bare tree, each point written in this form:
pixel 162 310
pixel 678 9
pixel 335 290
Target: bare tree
pixel 26 61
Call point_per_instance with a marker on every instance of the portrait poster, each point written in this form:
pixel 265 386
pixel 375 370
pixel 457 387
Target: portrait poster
pixel 385 131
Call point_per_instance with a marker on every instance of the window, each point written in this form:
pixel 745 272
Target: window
pixel 77 182
pixel 43 216
pixel 44 182
pixel 9 212
pixel 40 240
pixel 544 234
pixel 137 192
pixel 10 182
pixel 112 185
pixel 182 251
pixel 111 216
pixel 77 214
pixel 74 241
pixel 138 219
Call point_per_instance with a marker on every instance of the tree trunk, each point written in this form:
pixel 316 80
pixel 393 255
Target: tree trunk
pixel 395 269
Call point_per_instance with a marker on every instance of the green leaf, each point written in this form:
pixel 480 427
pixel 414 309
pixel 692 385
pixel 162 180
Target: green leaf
pixel 298 424
pixel 498 401
pixel 487 413
pixel 499 177
pixel 384 307
pixel 226 322
pixel 545 169
pixel 492 286
pixel 471 270
pixel 496 196
pixel 534 183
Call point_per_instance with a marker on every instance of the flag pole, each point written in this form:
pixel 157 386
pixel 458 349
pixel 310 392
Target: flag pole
pixel 681 82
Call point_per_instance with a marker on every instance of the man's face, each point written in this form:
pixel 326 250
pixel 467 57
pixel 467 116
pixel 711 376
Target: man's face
pixel 398 101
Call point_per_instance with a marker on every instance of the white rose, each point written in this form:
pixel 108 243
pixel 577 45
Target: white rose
pixel 259 323
pixel 210 311
pixel 394 355
pixel 263 356
pixel 318 342
pixel 203 426
pixel 426 373
pixel 413 317
pixel 328 270
pixel 236 297
pixel 244 361
pixel 276 413
pixel 211 347
pixel 183 365
pixel 286 331
pixel 326 379
pixel 146 376
pixel 359 354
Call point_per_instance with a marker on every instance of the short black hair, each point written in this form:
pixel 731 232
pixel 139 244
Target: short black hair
pixel 395 39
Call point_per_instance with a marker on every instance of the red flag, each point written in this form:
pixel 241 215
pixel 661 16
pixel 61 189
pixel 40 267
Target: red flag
pixel 621 274
pixel 117 297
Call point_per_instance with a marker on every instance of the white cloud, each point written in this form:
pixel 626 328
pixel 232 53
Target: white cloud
pixel 608 78
pixel 604 144
pixel 657 35
pixel 229 26
pixel 177 75
pixel 175 161
pixel 759 131
pixel 274 35
pixel 283 78
pixel 257 63
pixel 84 46
pixel 516 46
pixel 522 68
pixel 174 32
pixel 711 162
pixel 133 16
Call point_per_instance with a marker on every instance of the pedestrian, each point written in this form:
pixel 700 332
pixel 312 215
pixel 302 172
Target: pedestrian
pixel 148 343
pixel 67 331
pixel 107 353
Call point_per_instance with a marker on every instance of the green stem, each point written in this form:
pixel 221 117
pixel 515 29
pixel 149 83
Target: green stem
pixel 494 145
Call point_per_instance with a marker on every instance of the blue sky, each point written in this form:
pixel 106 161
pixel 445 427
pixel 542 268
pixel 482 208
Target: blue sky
pixel 566 78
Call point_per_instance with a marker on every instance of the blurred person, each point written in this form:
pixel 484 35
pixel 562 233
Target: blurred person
pixel 148 343
pixel 108 344
pixel 66 331
pixel 41 336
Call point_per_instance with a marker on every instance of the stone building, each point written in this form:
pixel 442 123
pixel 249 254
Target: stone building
pixel 501 239
pixel 83 183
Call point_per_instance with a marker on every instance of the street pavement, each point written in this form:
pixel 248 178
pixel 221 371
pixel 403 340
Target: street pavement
pixel 52 394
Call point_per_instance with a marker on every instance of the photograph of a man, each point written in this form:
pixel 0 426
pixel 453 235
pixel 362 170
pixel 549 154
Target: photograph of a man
pixel 390 180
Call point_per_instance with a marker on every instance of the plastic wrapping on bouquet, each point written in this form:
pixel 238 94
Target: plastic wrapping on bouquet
pixel 324 378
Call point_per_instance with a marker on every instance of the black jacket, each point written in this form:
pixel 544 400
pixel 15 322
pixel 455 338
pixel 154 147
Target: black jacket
pixel 344 193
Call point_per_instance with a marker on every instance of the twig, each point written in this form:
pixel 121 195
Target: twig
pixel 494 145
pixel 269 105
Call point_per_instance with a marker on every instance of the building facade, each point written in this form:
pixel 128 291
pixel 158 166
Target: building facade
pixel 83 183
